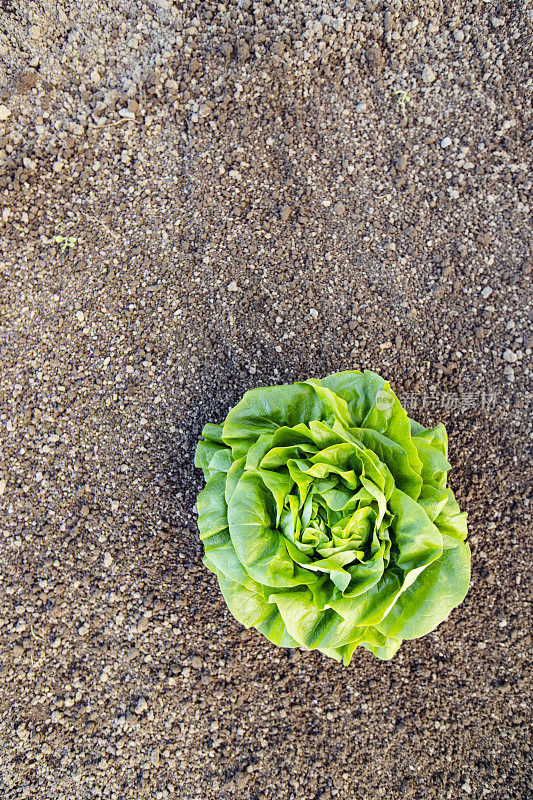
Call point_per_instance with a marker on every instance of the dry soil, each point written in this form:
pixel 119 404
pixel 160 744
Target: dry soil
pixel 259 192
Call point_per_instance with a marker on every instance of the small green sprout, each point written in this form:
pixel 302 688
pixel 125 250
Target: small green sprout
pixel 65 241
pixel 403 97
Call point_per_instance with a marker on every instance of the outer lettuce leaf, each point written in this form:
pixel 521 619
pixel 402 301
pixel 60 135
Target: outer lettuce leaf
pixel 371 606
pixel 249 607
pixel 416 539
pixel 212 509
pixel 275 629
pixel 386 650
pixel 332 404
pixel 437 590
pixel 432 501
pixel 213 433
pixel 264 410
pixel 416 427
pixel 205 453
pixel 356 389
pixel 311 627
pixel 432 452
pixel 451 522
pixel 382 647
pixel 221 558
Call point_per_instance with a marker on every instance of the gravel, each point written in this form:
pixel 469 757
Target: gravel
pixel 259 192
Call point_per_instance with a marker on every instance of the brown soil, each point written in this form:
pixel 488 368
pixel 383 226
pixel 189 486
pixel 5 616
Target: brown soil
pixel 253 202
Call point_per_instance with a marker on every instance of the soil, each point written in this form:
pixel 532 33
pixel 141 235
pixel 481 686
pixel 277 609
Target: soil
pixel 259 192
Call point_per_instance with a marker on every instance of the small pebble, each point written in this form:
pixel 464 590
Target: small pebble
pixel 510 357
pixel 428 76
pixel 141 706
pixel 23 733
pixel 446 142
pixel 401 163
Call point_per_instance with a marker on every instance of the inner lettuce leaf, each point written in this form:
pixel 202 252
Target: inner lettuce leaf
pixel 327 519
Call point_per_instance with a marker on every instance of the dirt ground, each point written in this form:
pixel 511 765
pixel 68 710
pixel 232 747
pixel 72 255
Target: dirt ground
pixel 259 192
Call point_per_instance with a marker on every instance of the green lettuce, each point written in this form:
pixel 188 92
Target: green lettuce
pixel 326 517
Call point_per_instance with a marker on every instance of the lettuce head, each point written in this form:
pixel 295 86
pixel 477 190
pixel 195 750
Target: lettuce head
pixel 326 517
